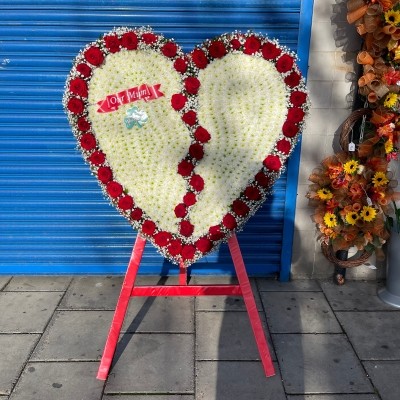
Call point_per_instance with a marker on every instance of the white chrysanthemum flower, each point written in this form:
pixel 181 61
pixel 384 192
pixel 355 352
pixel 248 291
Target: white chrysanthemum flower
pixel 143 159
pixel 236 107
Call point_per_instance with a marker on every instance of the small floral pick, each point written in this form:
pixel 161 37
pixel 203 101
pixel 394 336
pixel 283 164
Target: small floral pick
pixel 135 116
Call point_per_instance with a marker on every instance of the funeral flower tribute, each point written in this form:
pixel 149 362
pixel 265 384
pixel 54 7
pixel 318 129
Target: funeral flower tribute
pixel 185 146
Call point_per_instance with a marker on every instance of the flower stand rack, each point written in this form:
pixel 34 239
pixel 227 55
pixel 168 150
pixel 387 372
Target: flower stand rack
pixel 243 288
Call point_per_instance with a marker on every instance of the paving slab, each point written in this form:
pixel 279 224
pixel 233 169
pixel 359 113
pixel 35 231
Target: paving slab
pixel 385 377
pixel 3 281
pixel 299 312
pixel 296 285
pixel 334 397
pixel 374 335
pixel 38 283
pixel 226 336
pixel 160 314
pixel 226 303
pixel 214 280
pixel 354 296
pixel 151 397
pixel 27 312
pixel 61 381
pixel 153 364
pixel 74 335
pixel 102 292
pixel 14 352
pixel 319 364
pixel 229 380
pixel 92 292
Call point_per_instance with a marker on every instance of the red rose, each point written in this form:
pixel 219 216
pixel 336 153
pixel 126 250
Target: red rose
pixel 114 189
pixel 262 179
pixel 88 141
pixel 202 135
pixel 149 38
pixel 196 151
pixel 78 86
pixel 175 247
pixel 229 221
pixel 251 45
pixel 148 227
pixel 178 101
pixel 169 49
pixel 292 79
pixel 104 174
pixel 192 85
pixel 284 146
pixel 295 115
pixel 185 168
pixel 203 245
pixel 97 158
pixel 289 129
pixel 273 163
pixel 188 252
pixel 189 199
pixel 181 65
pixel 112 43
pixel 285 63
pixel 180 210
pixel 75 105
pixel 270 51
pixel 129 40
pixel 84 70
pixel 215 233
pixel 186 228
pixel 217 49
pixel 94 55
pixel 137 214
pixel 240 208
pixel 235 43
pixel 162 238
pixel 252 193
pixel 83 124
pixel 199 58
pixel 190 117
pixel 197 183
pixel 125 202
pixel 298 98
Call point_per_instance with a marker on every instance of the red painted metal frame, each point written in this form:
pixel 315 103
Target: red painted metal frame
pixel 183 289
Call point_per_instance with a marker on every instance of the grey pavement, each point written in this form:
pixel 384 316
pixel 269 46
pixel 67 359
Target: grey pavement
pixel 326 342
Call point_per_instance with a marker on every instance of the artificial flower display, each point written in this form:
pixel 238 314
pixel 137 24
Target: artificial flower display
pixel 352 197
pixel 185 146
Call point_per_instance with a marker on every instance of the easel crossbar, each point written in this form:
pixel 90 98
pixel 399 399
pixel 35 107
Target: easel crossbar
pixel 190 290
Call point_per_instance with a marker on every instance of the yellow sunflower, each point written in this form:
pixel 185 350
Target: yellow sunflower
pixel 390 100
pixel 368 213
pixel 380 179
pixel 392 17
pixel 324 194
pixel 352 217
pixel 350 167
pixel 330 220
pixel 388 146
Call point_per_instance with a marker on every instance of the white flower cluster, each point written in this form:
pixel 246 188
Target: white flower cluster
pixel 144 160
pixel 243 103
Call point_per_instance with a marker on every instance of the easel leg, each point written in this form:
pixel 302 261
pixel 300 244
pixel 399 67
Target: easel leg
pixel 251 306
pixel 121 308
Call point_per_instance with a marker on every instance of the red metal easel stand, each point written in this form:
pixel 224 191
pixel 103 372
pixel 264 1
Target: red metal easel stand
pixel 183 289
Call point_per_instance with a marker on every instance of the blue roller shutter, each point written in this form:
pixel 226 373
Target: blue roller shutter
pixel 53 216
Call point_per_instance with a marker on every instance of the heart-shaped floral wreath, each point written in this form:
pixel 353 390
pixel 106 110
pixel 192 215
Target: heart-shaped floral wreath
pixel 206 138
